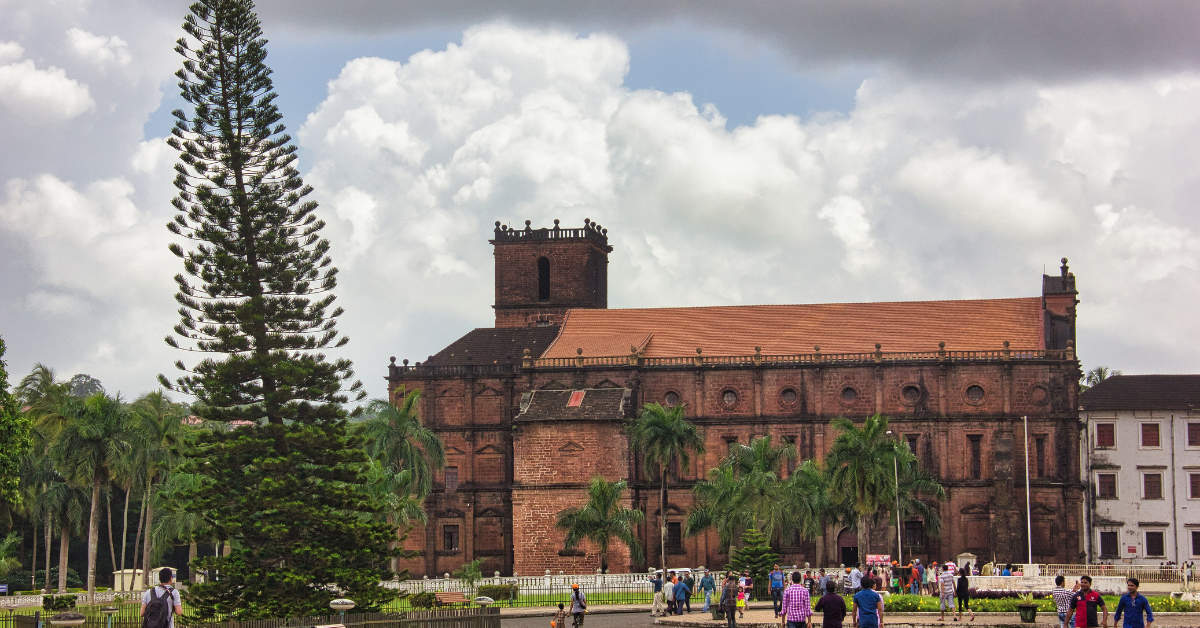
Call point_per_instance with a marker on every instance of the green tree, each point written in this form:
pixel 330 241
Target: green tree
pixel 754 555
pixel 603 519
pixel 470 573
pixel 8 554
pixel 158 424
pixel 14 439
pixel 916 489
pixel 287 492
pixel 1097 375
pixel 396 438
pixel 664 436
pixel 861 475
pixel 90 445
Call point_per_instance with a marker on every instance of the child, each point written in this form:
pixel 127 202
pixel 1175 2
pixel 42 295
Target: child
pixel 559 618
pixel 741 604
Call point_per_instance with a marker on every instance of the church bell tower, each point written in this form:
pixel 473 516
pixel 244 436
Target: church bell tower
pixel 541 273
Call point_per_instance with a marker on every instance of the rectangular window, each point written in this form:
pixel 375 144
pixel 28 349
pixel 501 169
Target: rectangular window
pixel 675 537
pixel 790 463
pixel 450 538
pixel 1195 542
pixel 914 535
pixel 1108 545
pixel 1106 435
pixel 976 457
pixel 1154 544
pixel 1193 434
pixel 912 442
pixel 1194 485
pixel 1106 485
pixel 1150 435
pixel 1039 452
pixel 451 479
pixel 1152 486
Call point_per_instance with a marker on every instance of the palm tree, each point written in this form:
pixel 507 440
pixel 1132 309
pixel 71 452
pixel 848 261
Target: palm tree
pixel 1097 375
pixel 175 523
pixel 663 436
pixel 603 519
pixel 8 550
pixel 396 437
pixel 395 492
pixel 718 507
pixel 64 505
pixel 915 489
pixel 158 422
pixel 806 493
pixel 88 447
pixel 860 476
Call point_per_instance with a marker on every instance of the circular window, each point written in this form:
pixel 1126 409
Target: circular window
pixel 975 392
pixel 911 394
pixel 788 396
pixel 672 399
pixel 849 394
pixel 729 398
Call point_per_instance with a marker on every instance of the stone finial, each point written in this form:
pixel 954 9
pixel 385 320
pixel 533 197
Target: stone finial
pixel 878 352
pixel 526 359
pixel 758 355
pixel 393 359
pixel 579 351
pixel 527 223
pixel 405 361
pixel 699 350
pixel 1064 269
pixel 555 223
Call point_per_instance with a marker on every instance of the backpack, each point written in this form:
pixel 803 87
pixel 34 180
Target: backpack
pixel 159 610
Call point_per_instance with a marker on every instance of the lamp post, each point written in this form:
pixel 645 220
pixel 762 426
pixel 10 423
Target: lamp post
pixel 342 605
pixel 109 611
pixel 896 494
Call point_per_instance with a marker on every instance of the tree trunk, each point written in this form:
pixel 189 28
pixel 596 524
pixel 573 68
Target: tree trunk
pixel 662 520
pixel 64 546
pixel 112 552
pixel 124 534
pixel 864 538
pixel 93 536
pixel 192 552
pixel 46 573
pixel 821 548
pixel 137 545
pixel 147 546
pixel 33 570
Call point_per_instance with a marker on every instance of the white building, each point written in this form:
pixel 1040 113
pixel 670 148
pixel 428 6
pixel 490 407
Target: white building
pixel 1141 460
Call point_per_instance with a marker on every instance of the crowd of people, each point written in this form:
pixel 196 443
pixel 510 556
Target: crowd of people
pixel 792 595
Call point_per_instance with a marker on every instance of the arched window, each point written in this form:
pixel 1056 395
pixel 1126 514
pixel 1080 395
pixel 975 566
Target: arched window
pixel 543 279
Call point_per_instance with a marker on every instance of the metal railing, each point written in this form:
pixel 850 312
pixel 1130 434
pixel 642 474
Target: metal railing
pixel 1144 573
pixel 627 588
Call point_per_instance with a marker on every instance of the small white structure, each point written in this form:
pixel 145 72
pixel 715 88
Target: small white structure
pixel 1141 463
pixel 127 580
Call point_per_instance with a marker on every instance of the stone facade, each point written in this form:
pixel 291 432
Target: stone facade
pixel 961 411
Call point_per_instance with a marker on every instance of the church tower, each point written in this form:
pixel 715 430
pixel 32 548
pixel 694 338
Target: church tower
pixel 541 273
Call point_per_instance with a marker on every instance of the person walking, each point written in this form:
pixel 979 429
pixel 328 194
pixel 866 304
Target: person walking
pixel 729 596
pixel 868 607
pixel 797 605
pixel 946 590
pixel 1062 602
pixel 919 580
pixel 682 592
pixel 747 592
pixel 578 606
pixel 161 604
pixel 963 593
pixel 776 578
pixel 690 582
pixel 669 592
pixel 656 581
pixel 560 618
pixel 855 579
pixel 1132 606
pixel 832 607
pixel 822 580
pixel 708 586
pixel 914 578
pixel 1088 606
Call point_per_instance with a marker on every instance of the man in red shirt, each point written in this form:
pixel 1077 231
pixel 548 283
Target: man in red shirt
pixel 1088 606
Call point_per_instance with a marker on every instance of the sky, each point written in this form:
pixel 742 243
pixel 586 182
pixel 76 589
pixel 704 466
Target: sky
pixel 793 151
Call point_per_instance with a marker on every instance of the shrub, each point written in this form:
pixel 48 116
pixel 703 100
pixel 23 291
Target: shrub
pixel 425 599
pixel 58 602
pixel 498 592
pixel 903 603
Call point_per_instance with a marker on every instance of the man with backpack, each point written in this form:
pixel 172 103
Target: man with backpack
pixel 161 604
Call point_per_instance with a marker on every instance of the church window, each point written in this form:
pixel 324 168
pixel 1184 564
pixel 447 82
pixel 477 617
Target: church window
pixel 671 399
pixel 1108 544
pixel 911 394
pixel 674 537
pixel 1150 438
pixel 451 479
pixel 729 398
pixel 788 396
pixel 543 279
pixel 849 394
pixel 975 392
pixel 1039 448
pixel 976 457
pixel 450 538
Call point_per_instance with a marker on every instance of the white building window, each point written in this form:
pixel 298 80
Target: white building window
pixel 1195 542
pixel 1156 543
pixel 1151 435
pixel 1193 435
pixel 1194 486
pixel 1106 436
pixel 1152 487
pixel 1106 485
pixel 1109 544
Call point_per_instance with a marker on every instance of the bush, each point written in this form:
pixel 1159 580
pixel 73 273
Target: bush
pixel 58 602
pixel 425 599
pixel 904 603
pixel 498 592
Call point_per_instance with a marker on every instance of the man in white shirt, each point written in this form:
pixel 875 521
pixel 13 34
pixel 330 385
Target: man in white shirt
pixel 166 579
pixel 855 579
pixel 946 592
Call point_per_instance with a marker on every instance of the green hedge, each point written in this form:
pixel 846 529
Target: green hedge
pixel 425 599
pixel 58 602
pixel 499 592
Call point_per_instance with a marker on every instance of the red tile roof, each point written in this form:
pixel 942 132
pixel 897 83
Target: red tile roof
pixel 982 324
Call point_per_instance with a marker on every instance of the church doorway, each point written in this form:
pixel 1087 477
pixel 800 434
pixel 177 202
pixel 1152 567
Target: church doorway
pixel 848 547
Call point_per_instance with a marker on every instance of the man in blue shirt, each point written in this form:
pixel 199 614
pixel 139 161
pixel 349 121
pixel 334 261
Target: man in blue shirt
pixel 776 579
pixel 657 582
pixel 1132 606
pixel 868 606
pixel 709 586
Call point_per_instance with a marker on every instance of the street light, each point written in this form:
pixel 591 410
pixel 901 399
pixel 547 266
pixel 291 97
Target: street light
pixel 342 605
pixel 899 536
pixel 109 611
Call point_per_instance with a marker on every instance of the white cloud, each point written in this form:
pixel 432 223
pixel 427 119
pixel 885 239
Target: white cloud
pixel 42 96
pixel 11 51
pixel 99 50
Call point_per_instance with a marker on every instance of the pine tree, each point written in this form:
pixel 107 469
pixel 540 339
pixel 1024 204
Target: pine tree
pixel 14 439
pixel 754 556
pixel 286 492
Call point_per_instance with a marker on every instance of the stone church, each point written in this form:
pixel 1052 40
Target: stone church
pixel 533 408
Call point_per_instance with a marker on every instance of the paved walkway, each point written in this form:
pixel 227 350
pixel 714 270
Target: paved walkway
pixel 765 619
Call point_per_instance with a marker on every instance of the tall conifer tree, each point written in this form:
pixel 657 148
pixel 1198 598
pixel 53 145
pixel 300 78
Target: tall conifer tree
pixel 287 491
pixel 14 439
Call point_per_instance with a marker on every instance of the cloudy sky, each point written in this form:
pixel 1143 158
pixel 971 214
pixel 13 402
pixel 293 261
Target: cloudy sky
pixel 773 152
